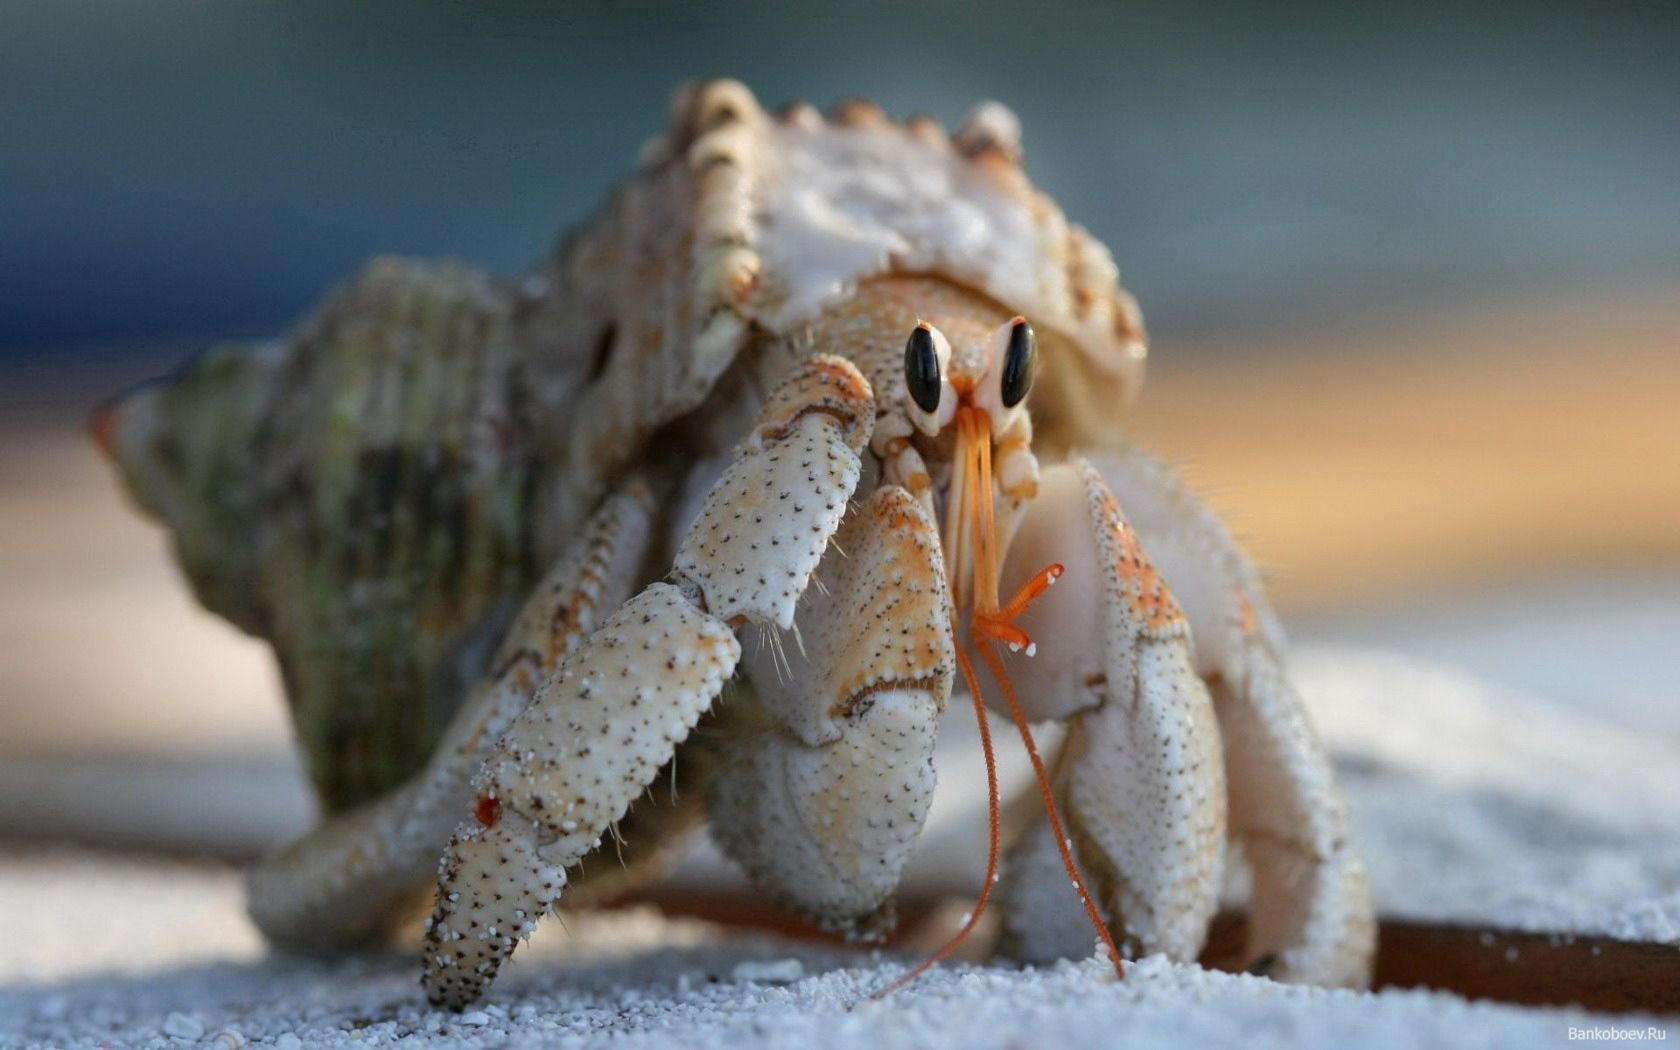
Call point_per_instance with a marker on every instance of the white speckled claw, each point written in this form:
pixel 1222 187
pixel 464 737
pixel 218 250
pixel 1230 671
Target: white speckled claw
pixel 767 521
pixel 822 807
pixel 338 885
pixel 1141 775
pixel 1311 917
pixel 593 737
pixel 588 744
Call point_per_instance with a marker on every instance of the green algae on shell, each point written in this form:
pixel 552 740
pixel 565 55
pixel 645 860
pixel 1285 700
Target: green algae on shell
pixel 359 494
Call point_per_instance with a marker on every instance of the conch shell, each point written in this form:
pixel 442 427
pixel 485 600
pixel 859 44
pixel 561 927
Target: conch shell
pixel 361 495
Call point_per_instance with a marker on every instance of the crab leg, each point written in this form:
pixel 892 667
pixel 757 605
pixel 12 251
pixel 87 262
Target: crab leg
pixel 1141 779
pixel 594 736
pixel 822 806
pixel 1311 917
pixel 338 884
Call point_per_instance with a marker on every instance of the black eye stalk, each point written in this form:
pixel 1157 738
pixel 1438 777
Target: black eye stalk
pixel 1020 361
pixel 921 369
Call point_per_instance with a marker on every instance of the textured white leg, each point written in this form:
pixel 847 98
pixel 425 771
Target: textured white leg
pixel 1141 776
pixel 823 805
pixel 593 737
pixel 587 746
pixel 1311 917
pixel 338 884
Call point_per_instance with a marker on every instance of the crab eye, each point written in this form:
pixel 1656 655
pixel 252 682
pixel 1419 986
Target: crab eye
pixel 1020 361
pixel 921 369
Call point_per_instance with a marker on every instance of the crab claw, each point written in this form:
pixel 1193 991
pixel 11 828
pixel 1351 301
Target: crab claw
pixel 595 735
pixel 823 807
pixel 1311 918
pixel 589 743
pixel 1141 779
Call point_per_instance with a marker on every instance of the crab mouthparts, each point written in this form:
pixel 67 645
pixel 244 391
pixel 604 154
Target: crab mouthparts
pixel 973 557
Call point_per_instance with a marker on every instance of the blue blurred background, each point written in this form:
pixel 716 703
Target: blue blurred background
pixel 180 171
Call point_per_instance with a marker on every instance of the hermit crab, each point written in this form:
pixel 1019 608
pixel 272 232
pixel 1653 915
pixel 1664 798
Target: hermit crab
pixel 704 519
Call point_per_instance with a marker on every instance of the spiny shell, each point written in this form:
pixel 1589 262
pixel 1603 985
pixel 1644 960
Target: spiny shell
pixel 741 222
pixel 375 492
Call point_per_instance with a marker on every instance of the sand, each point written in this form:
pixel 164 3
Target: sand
pixel 638 982
pixel 1470 803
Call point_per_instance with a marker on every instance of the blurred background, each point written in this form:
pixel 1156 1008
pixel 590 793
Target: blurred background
pixel 1410 273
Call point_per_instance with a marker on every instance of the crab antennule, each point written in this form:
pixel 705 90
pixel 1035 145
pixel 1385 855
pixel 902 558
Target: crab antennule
pixel 955 539
pixel 1029 592
pixel 986 590
pixel 963 560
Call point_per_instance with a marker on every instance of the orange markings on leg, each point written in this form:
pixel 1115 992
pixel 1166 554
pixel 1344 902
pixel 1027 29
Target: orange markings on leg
pixel 1247 621
pixel 847 378
pixel 488 810
pixel 1148 595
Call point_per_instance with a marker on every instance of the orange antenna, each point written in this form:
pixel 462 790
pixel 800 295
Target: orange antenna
pixel 972 486
pixel 964 486
pixel 998 623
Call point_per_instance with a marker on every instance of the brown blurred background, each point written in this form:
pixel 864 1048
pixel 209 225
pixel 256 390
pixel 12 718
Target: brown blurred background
pixel 1411 282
